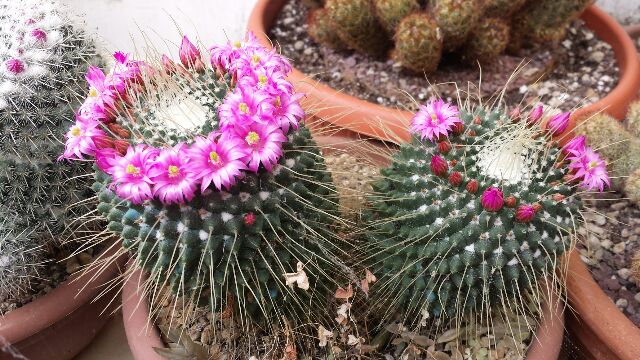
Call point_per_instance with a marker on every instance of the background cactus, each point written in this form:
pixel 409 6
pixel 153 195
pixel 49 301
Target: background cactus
pixel 633 118
pixel 471 223
pixel 320 29
pixel 479 29
pixel 42 64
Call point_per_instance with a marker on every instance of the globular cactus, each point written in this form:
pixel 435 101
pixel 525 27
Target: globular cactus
pixel 489 39
pixel 321 31
pixel 418 43
pixel 355 22
pixel 391 12
pixel 214 187
pixel 477 220
pixel 632 186
pixel 480 30
pixel 633 118
pixel 42 64
pixel 456 19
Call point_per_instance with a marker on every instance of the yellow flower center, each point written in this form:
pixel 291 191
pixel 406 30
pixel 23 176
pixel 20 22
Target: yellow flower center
pixel 277 101
pixel 93 92
pixel 215 158
pixel 173 171
pixel 255 59
pixel 243 107
pixel 434 119
pixel 252 138
pixel 132 170
pixel 593 164
pixel 262 79
pixel 75 131
pixel 237 44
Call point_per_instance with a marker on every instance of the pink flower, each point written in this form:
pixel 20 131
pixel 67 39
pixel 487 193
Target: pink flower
pixel 536 114
pixel 263 143
pixel 525 213
pixel 243 107
pixel 168 65
pixel 123 72
pixel 439 165
pixel 15 66
pixel 99 88
pixel 287 110
pixel 130 173
pixel 492 199
pixel 575 146
pixel 223 56
pixel 105 158
pixel 591 169
pixel 217 159
pixel 83 138
pixel 435 119
pixel 270 81
pixel 173 179
pixel 39 35
pixel 255 58
pixel 190 55
pixel 559 123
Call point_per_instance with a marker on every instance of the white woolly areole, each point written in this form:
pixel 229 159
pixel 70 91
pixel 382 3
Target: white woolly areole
pixel 226 216
pixel 182 113
pixel 470 248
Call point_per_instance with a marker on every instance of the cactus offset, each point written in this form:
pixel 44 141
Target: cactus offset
pixel 489 39
pixel 418 43
pixel 502 8
pixel 391 12
pixel 473 222
pixel 456 19
pixel 633 118
pixel 42 65
pixel 356 24
pixel 319 27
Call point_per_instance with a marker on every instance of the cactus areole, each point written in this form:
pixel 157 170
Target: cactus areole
pixel 481 225
pixel 209 179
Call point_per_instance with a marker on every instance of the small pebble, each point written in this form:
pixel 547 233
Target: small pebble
pixel 619 248
pixel 622 303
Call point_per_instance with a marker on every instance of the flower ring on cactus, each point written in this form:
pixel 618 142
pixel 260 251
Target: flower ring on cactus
pixel 478 226
pixel 219 192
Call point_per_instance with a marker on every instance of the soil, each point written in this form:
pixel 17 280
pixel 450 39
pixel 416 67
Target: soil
pixel 579 71
pixel 611 234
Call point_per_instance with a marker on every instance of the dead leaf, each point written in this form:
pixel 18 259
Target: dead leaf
pixel 344 294
pixel 352 340
pixel 324 335
pixel 447 336
pixel 300 277
pixel 419 340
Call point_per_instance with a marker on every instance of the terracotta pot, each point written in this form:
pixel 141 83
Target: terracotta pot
pixel 63 322
pixel 389 124
pixel 598 328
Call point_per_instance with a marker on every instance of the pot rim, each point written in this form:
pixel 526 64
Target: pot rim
pixel 390 124
pixel 69 296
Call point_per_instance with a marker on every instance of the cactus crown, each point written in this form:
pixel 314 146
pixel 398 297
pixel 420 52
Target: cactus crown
pixel 42 64
pixel 478 219
pixel 211 183
pixel 479 30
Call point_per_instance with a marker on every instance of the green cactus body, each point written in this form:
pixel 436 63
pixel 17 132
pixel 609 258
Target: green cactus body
pixel 456 19
pixel 632 186
pixel 419 43
pixel 633 118
pixel 489 39
pixel 230 247
pixel 615 144
pixel 356 24
pixel 391 12
pixel 320 29
pixel 438 251
pixel 546 20
pixel 502 8
pixel 42 65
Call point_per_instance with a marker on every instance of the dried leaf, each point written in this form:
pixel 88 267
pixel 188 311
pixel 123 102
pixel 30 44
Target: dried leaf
pixel 324 335
pixel 417 339
pixel 395 328
pixel 344 294
pixel 447 336
pixel 352 340
pixel 173 354
pixel 439 355
pixel 300 278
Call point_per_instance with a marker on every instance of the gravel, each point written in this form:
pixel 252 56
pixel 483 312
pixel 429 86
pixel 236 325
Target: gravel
pixel 583 70
pixel 612 230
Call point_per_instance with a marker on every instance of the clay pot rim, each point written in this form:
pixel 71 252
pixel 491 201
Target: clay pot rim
pixel 597 312
pixel 65 299
pixel 391 124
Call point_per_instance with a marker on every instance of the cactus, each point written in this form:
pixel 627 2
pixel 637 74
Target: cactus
pixel 391 12
pixel 480 30
pixel 489 40
pixel 475 221
pixel 216 191
pixel 320 29
pixel 632 186
pixel 418 43
pixel 42 63
pixel 456 19
pixel 633 118
pixel 355 23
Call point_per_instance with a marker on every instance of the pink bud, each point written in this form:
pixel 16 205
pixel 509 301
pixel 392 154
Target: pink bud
pixel 439 165
pixel 515 114
pixel 39 35
pixel 492 199
pixel 576 145
pixel 15 66
pixel 559 123
pixel 168 64
pixel 249 219
pixel 455 178
pixel 189 53
pixel 536 114
pixel 525 213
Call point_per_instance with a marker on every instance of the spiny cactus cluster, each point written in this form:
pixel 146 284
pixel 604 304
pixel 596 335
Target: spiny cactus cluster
pixel 478 219
pixel 417 35
pixel 42 64
pixel 211 183
pixel 619 144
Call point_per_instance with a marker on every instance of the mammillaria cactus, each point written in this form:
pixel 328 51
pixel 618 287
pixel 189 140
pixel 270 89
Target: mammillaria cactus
pixel 42 64
pixel 633 118
pixel 211 183
pixel 480 30
pixel 475 211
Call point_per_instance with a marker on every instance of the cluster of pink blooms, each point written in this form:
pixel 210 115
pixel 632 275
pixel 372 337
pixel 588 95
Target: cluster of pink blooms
pixel 436 119
pixel 254 121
